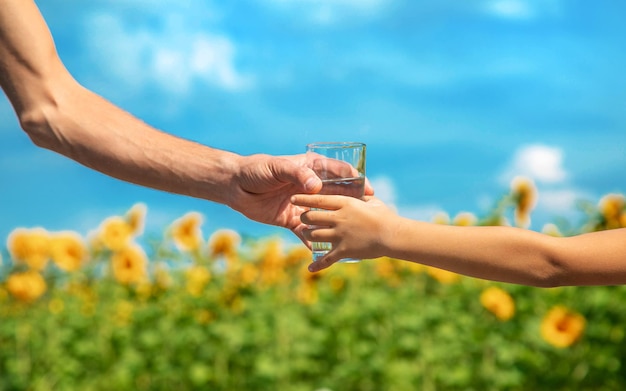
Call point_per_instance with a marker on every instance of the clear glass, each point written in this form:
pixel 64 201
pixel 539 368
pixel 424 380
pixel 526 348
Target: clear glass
pixel 341 167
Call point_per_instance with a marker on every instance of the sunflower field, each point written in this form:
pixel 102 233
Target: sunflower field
pixel 117 309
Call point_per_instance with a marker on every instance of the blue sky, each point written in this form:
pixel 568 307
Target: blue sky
pixel 453 98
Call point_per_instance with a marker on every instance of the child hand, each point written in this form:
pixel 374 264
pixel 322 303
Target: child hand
pixel 356 228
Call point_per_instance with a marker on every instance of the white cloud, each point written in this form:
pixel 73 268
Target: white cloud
pixel 559 201
pixel 326 12
pixel 556 195
pixel 353 4
pixel 516 9
pixel 384 189
pixel 522 9
pixel 424 212
pixel 174 57
pixel 538 162
pixel 212 59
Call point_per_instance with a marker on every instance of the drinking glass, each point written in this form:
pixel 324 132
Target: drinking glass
pixel 341 167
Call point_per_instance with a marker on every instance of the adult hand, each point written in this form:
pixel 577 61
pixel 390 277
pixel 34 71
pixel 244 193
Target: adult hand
pixel 264 185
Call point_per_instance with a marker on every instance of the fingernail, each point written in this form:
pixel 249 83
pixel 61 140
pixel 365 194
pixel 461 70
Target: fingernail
pixel 310 184
pixel 311 268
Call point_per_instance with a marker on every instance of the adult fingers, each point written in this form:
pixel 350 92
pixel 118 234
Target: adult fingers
pixel 287 171
pixel 369 189
pixel 329 167
pixel 328 202
pixel 299 232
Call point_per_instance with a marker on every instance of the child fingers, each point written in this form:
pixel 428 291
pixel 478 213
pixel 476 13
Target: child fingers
pixel 323 263
pixel 328 202
pixel 318 217
pixel 318 234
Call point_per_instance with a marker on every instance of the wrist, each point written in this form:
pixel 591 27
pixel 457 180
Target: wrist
pixel 224 176
pixel 386 227
pixel 397 228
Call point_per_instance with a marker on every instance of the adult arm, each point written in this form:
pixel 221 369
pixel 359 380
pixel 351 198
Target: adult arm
pixel 368 229
pixel 59 114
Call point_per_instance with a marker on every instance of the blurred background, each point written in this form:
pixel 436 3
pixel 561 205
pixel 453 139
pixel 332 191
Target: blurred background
pixel 453 98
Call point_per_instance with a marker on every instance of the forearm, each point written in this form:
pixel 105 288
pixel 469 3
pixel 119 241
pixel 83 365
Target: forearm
pixel 88 129
pixel 59 114
pixel 511 254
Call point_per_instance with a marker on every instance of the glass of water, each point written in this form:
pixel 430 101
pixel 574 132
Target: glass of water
pixel 341 167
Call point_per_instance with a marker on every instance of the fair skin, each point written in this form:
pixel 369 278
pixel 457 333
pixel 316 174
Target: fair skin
pixel 370 229
pixel 59 114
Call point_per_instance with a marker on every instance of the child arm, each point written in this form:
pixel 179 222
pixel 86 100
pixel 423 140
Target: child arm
pixel 369 229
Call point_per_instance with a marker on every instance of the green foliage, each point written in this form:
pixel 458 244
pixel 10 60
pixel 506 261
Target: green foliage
pixel 363 332
pixel 255 319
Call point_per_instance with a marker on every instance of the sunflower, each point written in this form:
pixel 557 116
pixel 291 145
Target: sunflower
pixel 246 275
pixel 30 246
pixel 443 276
pixel 115 233
pixel 441 218
pixel 336 282
pixel 272 263
pixel 307 293
pixel 613 209
pixel 297 256
pixel 413 267
pixel 162 278
pixel 562 327
pixel 68 251
pixel 26 286
pixel 524 192
pixel 498 302
pixel 186 232
pixel 129 265
pixel 224 242
pixel 136 218
pixel 197 277
pixel 388 268
pixel 464 219
pixel 551 230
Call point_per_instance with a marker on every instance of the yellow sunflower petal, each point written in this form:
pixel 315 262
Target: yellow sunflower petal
pixel 562 327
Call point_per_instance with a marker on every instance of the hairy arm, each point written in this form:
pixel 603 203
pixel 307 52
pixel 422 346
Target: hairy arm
pixel 59 114
pixel 368 229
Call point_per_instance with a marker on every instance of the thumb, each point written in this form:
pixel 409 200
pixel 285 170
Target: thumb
pixel 287 171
